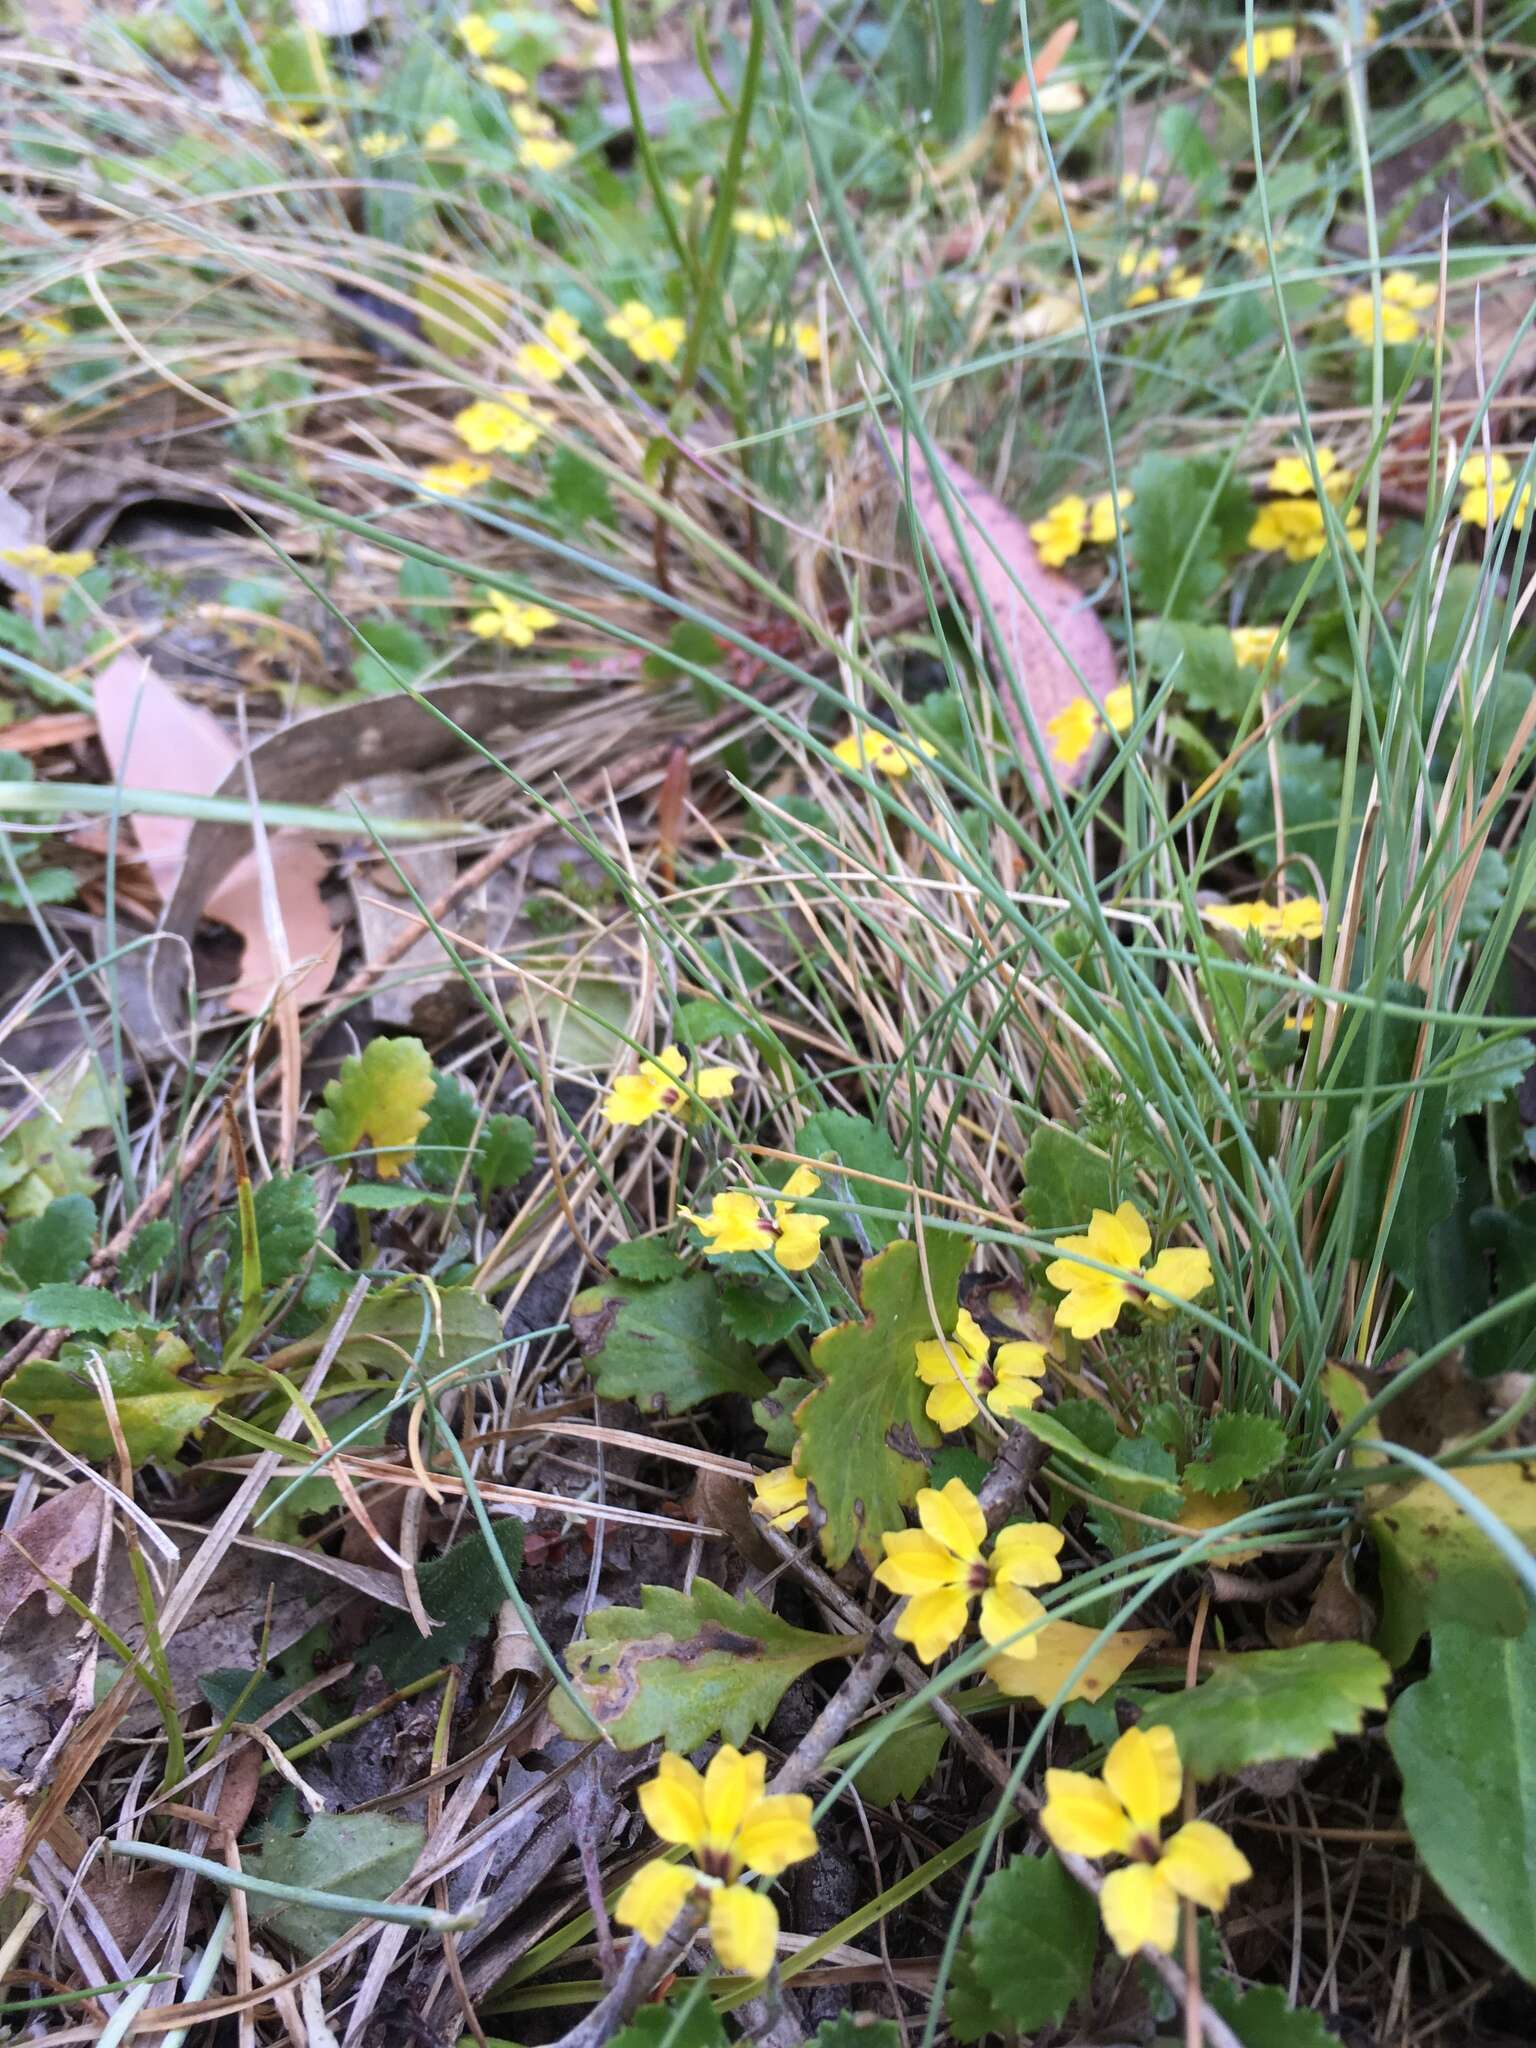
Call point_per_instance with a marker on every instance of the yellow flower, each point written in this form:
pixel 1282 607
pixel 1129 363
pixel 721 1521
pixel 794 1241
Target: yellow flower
pixel 730 1826
pixel 382 142
pixel 33 339
pixel 808 340
pixel 779 1497
pixel 1296 527
pixel 441 134
pixel 1299 920
pixel 561 344
pixel 1183 283
pixel 529 120
pixel 315 135
pixel 1478 475
pixel 1073 730
pixel 1094 1299
pixel 504 78
pixel 40 561
pixel 506 619
pixel 1138 262
pixel 761 227
pixel 738 1222
pixel 939 1569
pixel 587 7
pixel 867 747
pixel 1137 191
pixel 510 426
pixel 1062 531
pixel 1403 298
pixel 1291 476
pixel 1270 46
pixel 656 1089
pixel 1252 646
pixel 454 479
pixel 540 153
pixel 652 337
pixel 963 1374
pixel 1102 527
pixel 1121 1814
pixel 476 34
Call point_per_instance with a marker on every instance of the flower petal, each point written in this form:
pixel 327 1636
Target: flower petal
pixel 1092 1306
pixel 654 1897
pixel 714 1084
pixel 779 1497
pixel 732 1784
pixel 744 1926
pixel 1026 1554
pixel 1139 1909
pixel 798 1244
pixel 1202 1863
pixel 1145 1775
pixel 1182 1273
pixel 951 1406
pixel 1004 1611
pixel 800 1183
pixel 777 1831
pixel 914 1563
pixel 932 1621
pixel 952 1516
pixel 673 1802
pixel 1082 1817
pixel 1121 1239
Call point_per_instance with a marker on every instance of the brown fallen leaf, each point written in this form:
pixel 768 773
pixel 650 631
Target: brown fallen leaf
pixel 418 975
pixel 1058 1647
pixel 1052 644
pixel 57 1538
pixel 153 739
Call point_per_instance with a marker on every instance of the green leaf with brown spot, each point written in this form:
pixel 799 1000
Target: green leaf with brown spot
pixel 157 1409
pixel 862 1432
pixel 686 1666
pixel 665 1346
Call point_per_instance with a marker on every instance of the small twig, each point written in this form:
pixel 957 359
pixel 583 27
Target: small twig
pixel 1232 1586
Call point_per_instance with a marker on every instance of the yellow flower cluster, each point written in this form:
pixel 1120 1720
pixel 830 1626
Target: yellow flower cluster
pixel 540 147
pixel 33 340
pixel 1254 646
pixel 1073 731
pixel 651 337
pixel 1270 46
pixel 37 560
pixel 740 1223
pixel 1482 477
pixel 1292 522
pixel 1093 1299
pixel 1287 924
pixel 964 1373
pixel 730 1825
pixel 505 619
pixel 940 1567
pixel 1178 282
pixel 457 478
pixel 1404 299
pixel 441 134
pixel 1073 523
pixel 559 347
pixel 381 142
pixel 510 425
pixel 1138 191
pixel 761 227
pixel 659 1088
pixel 1121 1814
pixel 868 747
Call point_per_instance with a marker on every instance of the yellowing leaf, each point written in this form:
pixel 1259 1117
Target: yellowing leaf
pixel 1061 1644
pixel 381 1094
pixel 156 1408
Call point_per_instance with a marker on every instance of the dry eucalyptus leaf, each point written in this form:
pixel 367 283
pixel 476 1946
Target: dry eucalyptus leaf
pixel 1052 644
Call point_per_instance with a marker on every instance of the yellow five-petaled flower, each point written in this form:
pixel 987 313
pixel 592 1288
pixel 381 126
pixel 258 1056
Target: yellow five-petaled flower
pixel 1483 478
pixel 1121 1814
pixel 940 1569
pixel 1404 298
pixel 505 619
pixel 507 426
pixel 560 345
pixel 963 1374
pixel 1094 1299
pixel 1270 46
pixel 658 1088
pixel 730 1826
pixel 867 747
pixel 1287 924
pixel 1073 731
pixel 1073 521
pixel 739 1222
pixel 652 337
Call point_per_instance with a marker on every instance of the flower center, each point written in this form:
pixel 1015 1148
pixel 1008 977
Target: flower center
pixel 1145 1849
pixel 716 1864
pixel 977 1578
pixel 986 1379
